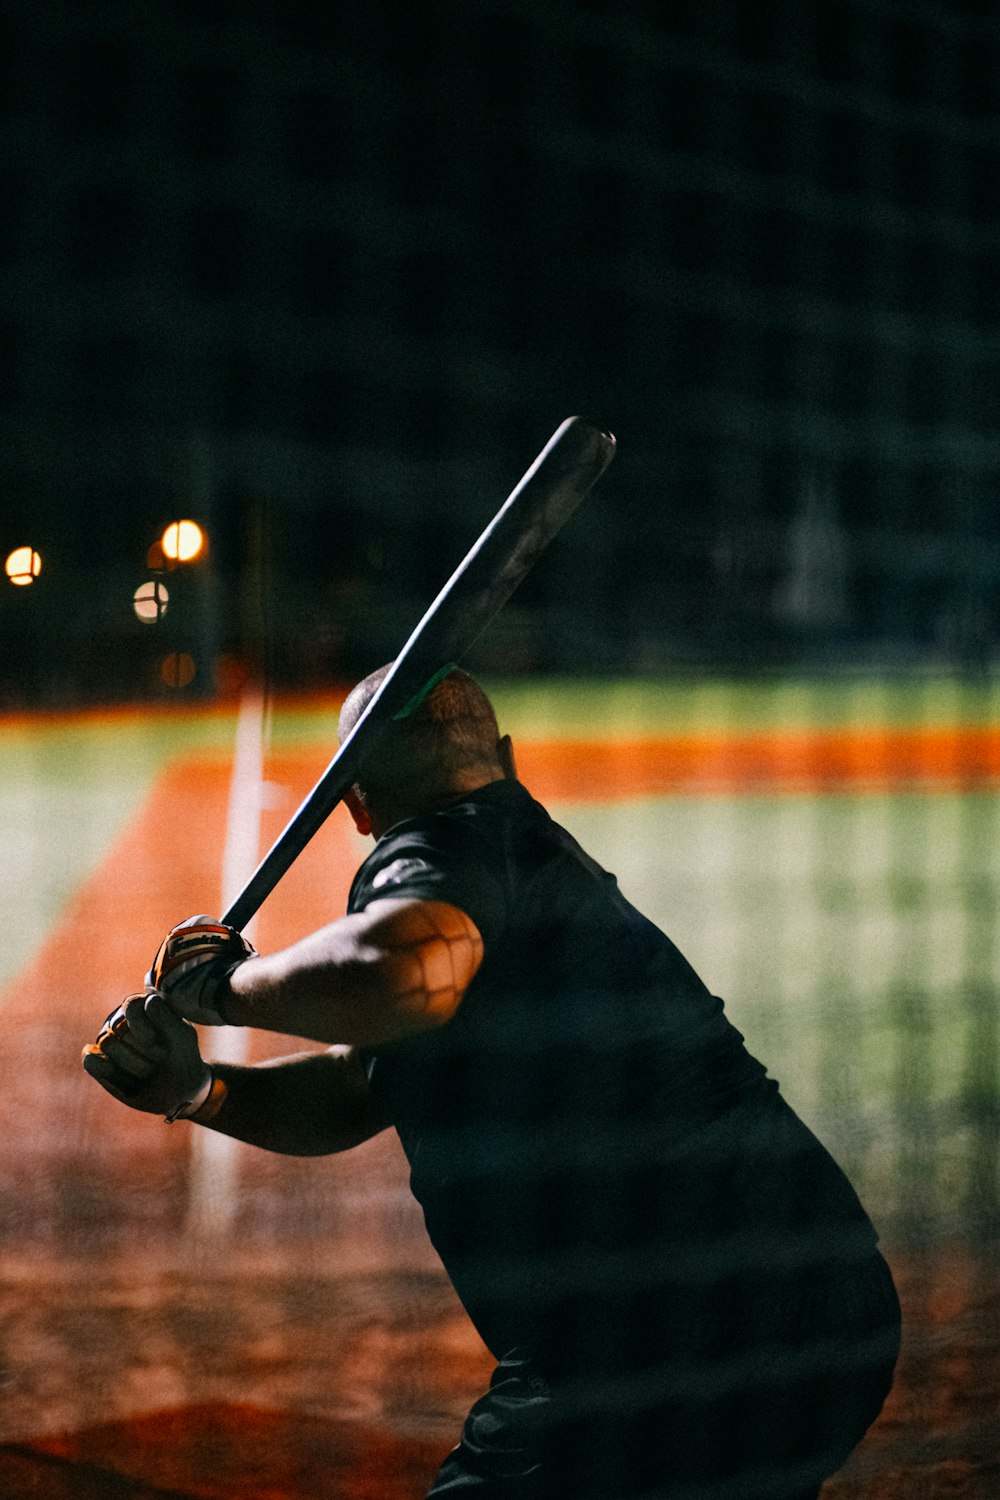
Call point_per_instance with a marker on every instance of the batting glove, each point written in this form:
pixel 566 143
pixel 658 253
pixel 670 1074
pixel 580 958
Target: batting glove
pixel 193 966
pixel 148 1058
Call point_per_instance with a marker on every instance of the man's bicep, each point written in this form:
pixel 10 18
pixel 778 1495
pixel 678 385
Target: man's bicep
pixel 429 952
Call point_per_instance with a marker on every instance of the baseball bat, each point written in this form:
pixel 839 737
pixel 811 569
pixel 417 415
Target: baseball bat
pixel 567 468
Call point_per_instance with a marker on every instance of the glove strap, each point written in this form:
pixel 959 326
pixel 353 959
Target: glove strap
pixel 216 1098
pixel 223 992
pixel 205 1104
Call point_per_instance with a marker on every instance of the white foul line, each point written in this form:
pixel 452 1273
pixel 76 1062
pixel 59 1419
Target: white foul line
pixel 214 1182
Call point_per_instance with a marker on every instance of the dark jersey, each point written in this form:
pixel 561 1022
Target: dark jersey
pixel 588 1129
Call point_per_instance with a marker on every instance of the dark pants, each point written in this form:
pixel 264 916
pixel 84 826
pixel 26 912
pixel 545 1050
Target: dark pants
pixel 768 1416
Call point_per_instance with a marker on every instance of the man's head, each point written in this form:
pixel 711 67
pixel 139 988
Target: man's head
pixel 449 745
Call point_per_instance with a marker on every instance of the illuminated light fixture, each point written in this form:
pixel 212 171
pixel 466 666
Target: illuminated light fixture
pixel 183 541
pixel 150 601
pixel 23 566
pixel 177 670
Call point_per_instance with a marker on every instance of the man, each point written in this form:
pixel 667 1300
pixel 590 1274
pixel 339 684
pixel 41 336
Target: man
pixel 681 1289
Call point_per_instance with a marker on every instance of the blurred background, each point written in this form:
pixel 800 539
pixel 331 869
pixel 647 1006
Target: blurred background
pixel 325 278
pixel 291 294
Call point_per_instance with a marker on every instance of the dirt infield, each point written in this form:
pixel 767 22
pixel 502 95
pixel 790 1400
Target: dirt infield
pixel 275 1384
pixel 316 1350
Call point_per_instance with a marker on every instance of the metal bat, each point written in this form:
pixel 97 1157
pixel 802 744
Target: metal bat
pixel 568 466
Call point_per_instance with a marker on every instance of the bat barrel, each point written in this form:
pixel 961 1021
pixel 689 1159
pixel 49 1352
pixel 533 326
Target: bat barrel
pixel 564 472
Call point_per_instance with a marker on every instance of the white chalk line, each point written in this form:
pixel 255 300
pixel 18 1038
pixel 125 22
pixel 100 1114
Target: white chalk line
pixel 214 1187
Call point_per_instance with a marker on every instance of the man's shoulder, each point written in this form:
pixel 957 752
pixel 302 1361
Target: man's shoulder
pixel 448 852
pixel 498 804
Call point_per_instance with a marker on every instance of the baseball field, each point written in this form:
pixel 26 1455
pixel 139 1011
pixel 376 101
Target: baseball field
pixel 184 1316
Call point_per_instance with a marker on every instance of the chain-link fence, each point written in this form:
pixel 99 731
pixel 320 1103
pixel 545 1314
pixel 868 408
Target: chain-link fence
pixel 324 279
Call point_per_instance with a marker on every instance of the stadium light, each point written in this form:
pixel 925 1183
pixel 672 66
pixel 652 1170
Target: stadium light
pixel 183 541
pixel 150 601
pixel 177 670
pixel 23 566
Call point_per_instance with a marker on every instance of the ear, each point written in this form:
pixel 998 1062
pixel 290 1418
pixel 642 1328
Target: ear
pixel 358 811
pixel 505 755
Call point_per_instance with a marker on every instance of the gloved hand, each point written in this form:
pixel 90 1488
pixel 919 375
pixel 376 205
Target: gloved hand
pixel 193 966
pixel 148 1058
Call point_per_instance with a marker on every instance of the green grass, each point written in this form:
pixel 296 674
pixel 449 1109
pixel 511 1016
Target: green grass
pixel 569 707
pixel 693 704
pixel 67 788
pixel 855 940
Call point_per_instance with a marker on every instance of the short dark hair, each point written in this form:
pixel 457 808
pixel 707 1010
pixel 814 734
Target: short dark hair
pixel 452 731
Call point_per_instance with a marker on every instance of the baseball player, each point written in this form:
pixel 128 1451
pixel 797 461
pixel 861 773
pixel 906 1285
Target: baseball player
pixel 683 1293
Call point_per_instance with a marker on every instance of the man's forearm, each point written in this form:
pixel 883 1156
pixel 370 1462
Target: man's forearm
pixel 325 988
pixel 396 969
pixel 311 1104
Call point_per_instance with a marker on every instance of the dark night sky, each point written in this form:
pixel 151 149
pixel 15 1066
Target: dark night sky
pixel 347 267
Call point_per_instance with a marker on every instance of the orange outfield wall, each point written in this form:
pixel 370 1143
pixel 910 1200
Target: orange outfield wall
pixel 788 761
